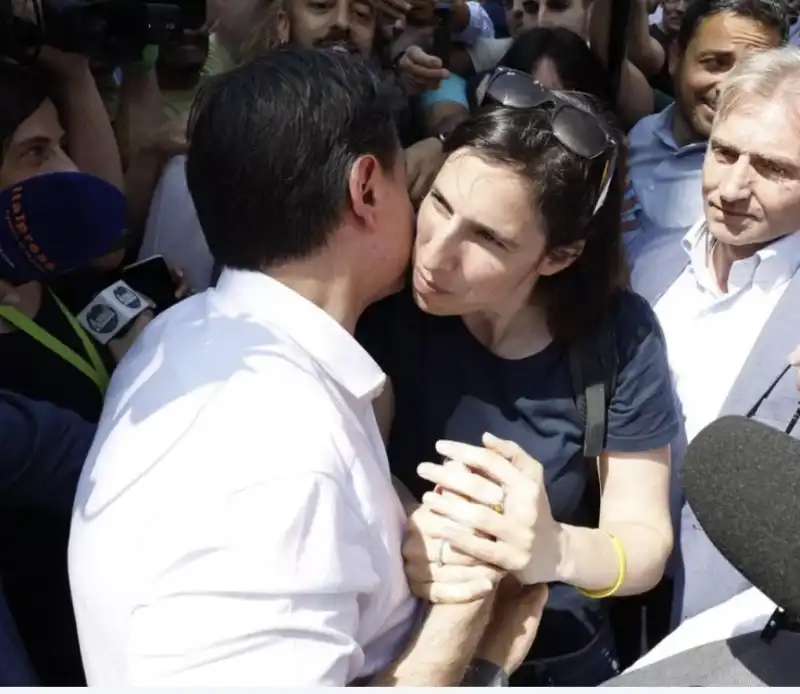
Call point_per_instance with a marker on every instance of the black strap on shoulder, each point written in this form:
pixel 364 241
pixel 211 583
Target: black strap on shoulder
pixel 593 368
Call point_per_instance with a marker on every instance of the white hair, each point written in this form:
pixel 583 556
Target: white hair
pixel 762 76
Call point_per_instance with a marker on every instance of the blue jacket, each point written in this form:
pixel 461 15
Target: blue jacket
pixel 42 451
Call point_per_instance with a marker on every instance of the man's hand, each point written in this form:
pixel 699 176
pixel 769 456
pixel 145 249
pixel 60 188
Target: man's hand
pixel 438 573
pixel 499 490
pixel 182 288
pixel 515 620
pixel 418 71
pixel 423 161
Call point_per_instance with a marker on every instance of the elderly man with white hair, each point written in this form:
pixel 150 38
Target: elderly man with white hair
pixel 727 296
pixel 728 292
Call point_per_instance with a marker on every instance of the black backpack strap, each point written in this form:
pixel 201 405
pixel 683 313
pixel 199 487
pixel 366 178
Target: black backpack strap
pixel 593 368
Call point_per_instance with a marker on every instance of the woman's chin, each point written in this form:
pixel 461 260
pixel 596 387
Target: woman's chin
pixel 433 304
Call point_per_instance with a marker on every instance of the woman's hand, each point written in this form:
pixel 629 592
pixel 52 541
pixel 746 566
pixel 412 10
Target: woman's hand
pixel 499 510
pixel 516 616
pixel 438 573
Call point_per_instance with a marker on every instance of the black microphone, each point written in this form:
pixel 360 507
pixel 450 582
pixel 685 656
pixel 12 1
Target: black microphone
pixel 742 480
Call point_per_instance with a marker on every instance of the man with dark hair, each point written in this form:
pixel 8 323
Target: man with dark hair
pixel 348 26
pixel 310 157
pixel 666 150
pixel 236 522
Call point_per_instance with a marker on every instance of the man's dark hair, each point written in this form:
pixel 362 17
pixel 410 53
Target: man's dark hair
pixel 770 13
pixel 272 146
pixel 22 91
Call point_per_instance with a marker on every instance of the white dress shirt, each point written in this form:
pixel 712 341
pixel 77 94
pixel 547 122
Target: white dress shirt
pixel 709 333
pixel 747 612
pixel 235 523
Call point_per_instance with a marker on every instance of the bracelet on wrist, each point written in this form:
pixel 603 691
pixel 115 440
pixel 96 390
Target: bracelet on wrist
pixel 621 570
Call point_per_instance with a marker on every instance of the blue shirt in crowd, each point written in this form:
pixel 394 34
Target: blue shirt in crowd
pixel 42 451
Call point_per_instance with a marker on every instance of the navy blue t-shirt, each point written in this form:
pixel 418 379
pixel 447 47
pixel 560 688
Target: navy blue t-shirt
pixel 447 385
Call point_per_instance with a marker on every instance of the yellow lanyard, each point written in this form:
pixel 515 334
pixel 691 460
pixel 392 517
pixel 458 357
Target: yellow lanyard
pixel 96 371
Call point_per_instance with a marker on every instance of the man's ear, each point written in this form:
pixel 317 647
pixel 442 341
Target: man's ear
pixel 364 184
pixel 560 258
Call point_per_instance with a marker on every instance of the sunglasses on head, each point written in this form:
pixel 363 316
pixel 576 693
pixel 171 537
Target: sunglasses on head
pixel 576 129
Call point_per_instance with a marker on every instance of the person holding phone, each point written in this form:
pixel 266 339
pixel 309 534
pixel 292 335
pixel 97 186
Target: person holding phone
pixel 63 209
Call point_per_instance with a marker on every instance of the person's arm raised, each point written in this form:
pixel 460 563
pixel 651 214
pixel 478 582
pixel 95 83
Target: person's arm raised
pixel 441 650
pixel 92 143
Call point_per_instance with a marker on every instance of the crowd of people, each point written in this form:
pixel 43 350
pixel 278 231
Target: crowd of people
pixel 440 325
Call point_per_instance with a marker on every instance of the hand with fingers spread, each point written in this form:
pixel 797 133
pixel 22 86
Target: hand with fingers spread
pixel 498 511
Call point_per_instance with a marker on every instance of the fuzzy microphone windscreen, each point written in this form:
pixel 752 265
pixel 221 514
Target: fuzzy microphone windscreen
pixel 742 480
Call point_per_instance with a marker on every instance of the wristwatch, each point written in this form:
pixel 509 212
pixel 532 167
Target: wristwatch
pixel 482 673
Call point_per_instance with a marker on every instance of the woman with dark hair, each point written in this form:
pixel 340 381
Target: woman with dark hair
pixel 560 59
pixel 518 259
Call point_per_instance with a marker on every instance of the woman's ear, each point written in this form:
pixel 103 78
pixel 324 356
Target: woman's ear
pixel 282 26
pixel 560 258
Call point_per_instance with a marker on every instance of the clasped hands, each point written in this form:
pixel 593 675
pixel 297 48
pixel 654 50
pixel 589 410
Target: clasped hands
pixel 488 517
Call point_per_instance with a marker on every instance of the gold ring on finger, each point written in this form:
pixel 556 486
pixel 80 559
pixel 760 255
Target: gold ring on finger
pixel 501 507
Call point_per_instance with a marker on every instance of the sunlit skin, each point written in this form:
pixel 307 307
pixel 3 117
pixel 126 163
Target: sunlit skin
pixel 480 248
pixel 38 146
pixel 719 42
pixel 751 178
pixel 347 25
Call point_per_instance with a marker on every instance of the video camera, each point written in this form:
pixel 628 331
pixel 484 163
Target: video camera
pixel 108 31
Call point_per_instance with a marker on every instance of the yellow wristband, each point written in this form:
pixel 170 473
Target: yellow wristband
pixel 622 566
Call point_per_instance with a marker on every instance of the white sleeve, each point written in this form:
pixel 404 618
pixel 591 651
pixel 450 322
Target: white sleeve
pixel 173 229
pixel 480 25
pixel 271 600
pixel 487 53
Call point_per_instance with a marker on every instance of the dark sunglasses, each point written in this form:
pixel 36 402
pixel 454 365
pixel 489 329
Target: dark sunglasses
pixel 580 131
